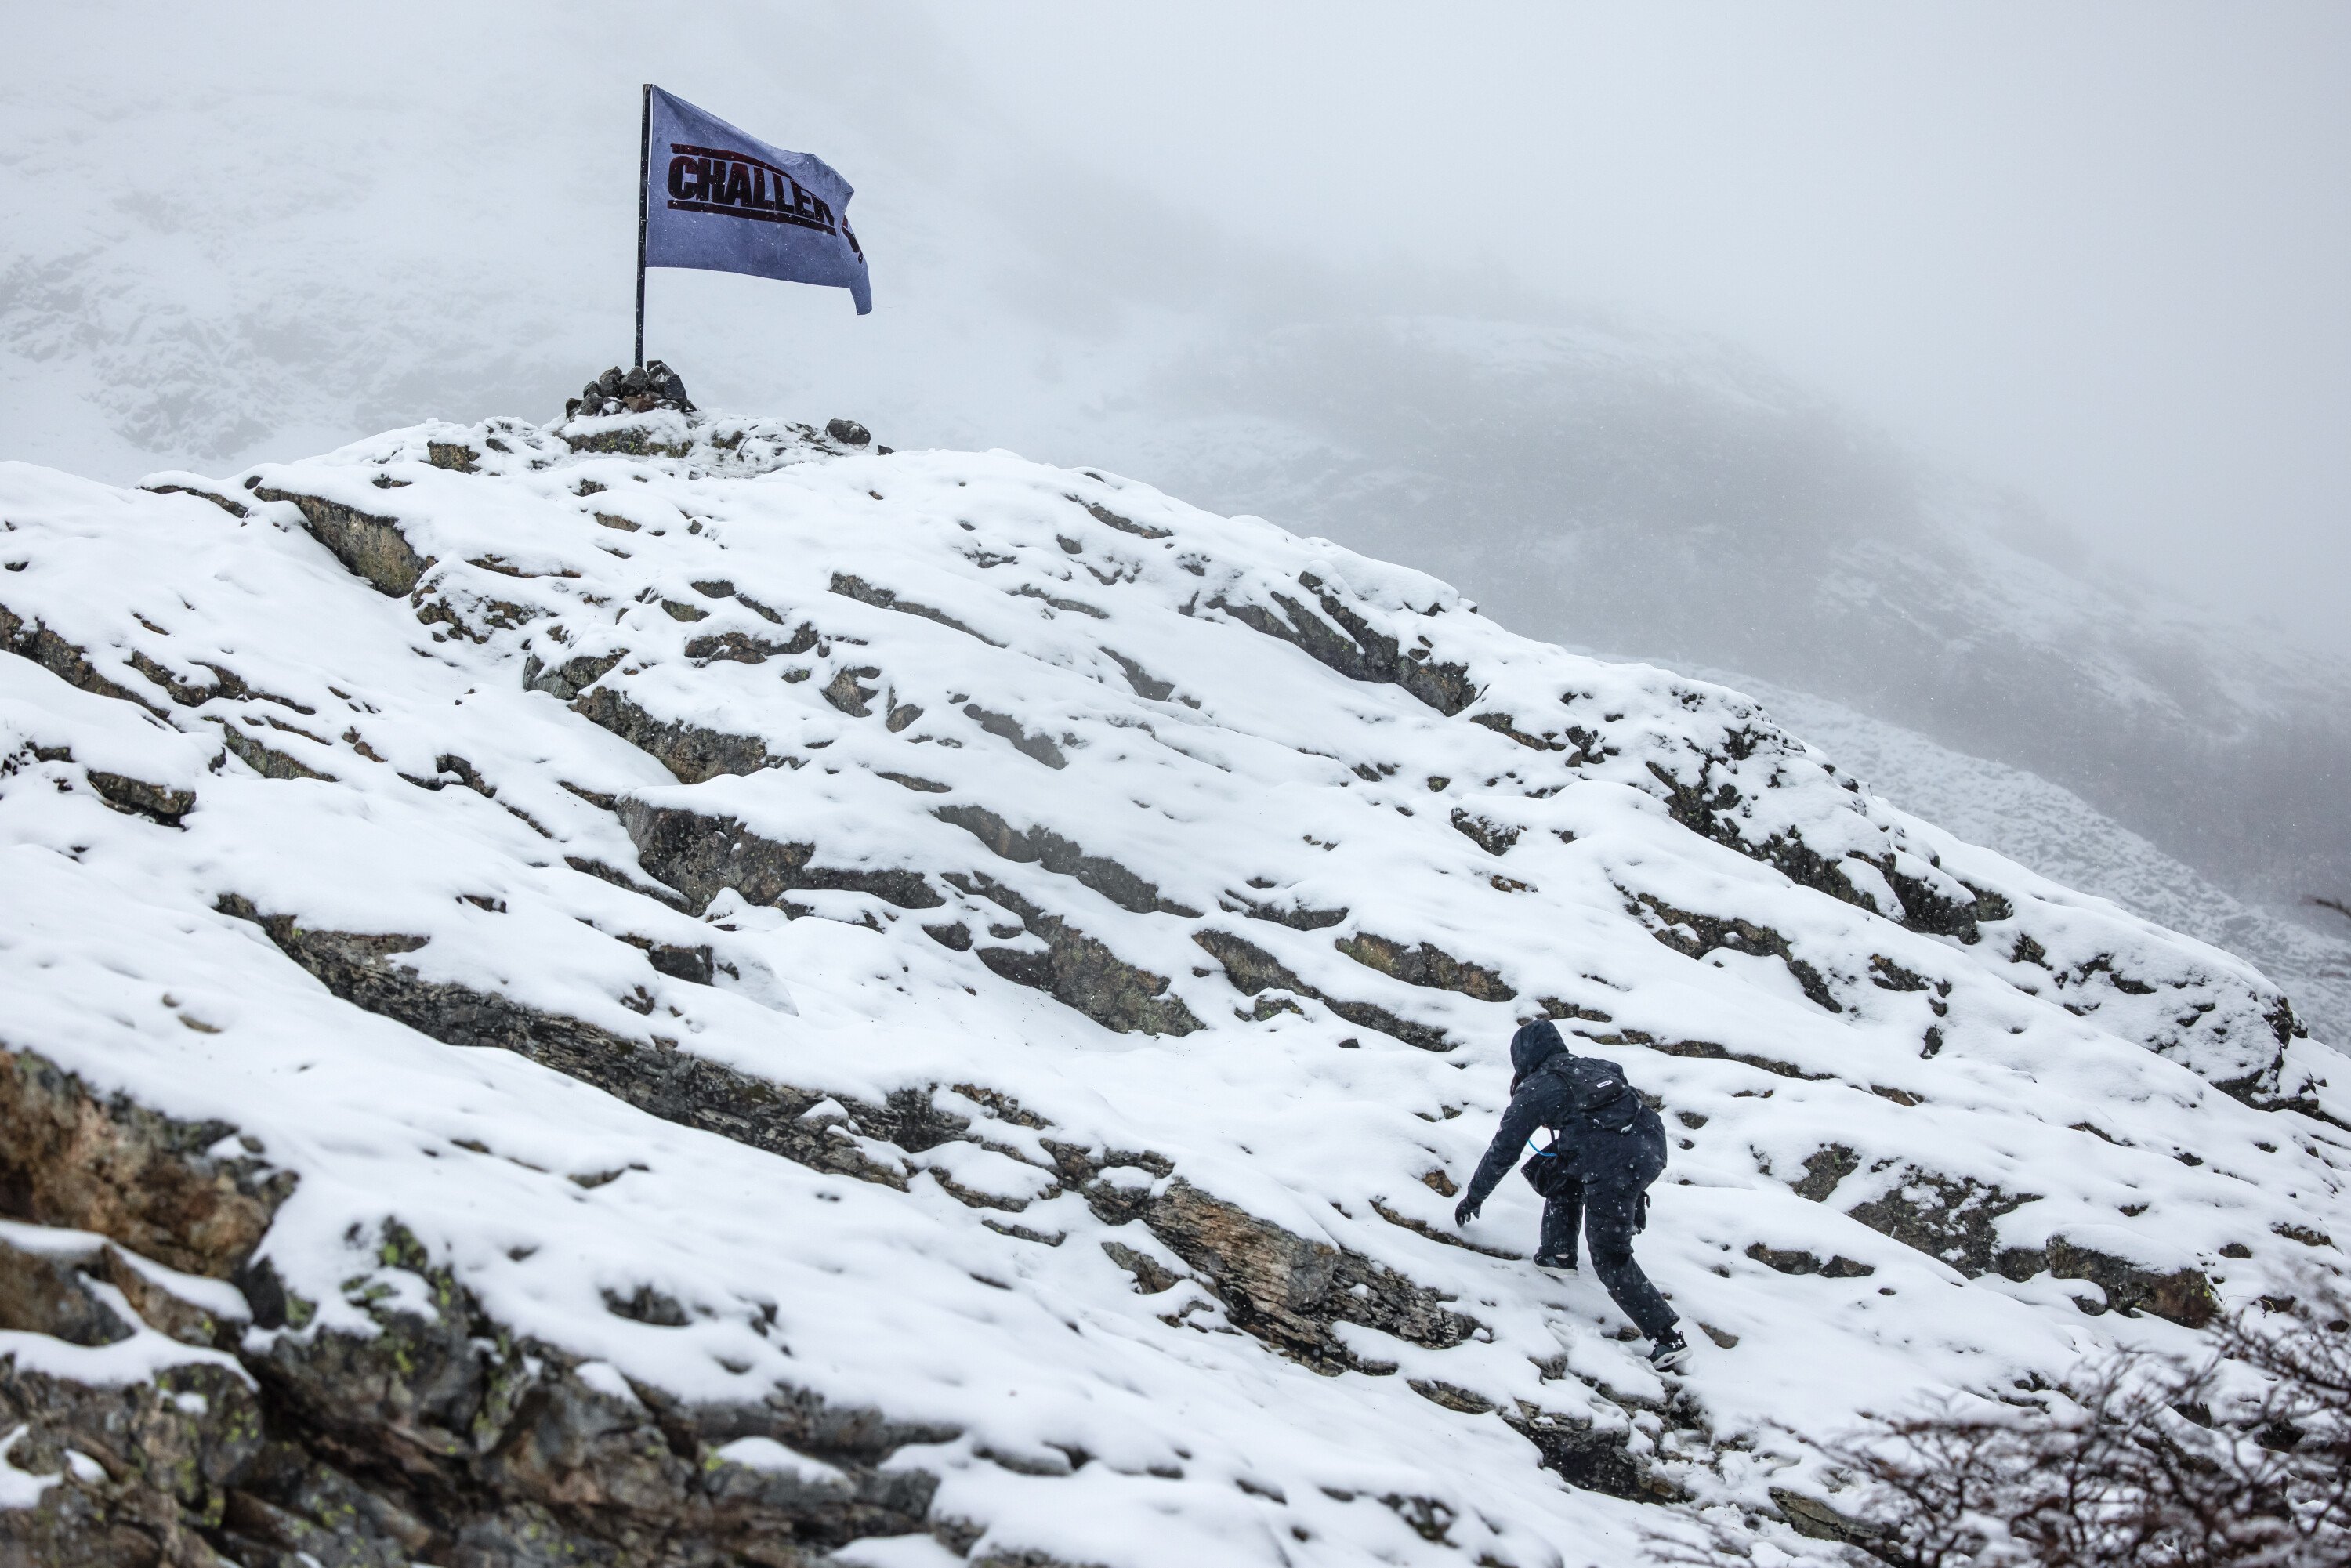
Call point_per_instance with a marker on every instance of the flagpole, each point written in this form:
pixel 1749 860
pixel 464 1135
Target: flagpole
pixel 644 151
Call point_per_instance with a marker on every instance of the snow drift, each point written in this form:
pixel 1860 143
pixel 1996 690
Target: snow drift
pixel 676 989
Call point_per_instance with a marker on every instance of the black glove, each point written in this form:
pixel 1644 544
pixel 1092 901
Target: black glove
pixel 1467 1210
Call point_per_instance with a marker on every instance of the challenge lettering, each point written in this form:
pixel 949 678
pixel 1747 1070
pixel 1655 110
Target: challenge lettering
pixel 712 180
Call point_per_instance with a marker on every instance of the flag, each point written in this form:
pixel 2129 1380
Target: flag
pixel 725 202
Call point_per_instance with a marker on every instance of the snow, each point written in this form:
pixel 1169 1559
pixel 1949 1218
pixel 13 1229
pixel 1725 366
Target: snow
pixel 1004 626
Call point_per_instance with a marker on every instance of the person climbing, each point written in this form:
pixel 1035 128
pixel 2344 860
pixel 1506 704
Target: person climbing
pixel 1607 1147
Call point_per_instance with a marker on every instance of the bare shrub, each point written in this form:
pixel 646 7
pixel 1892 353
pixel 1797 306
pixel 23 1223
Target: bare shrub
pixel 2137 1461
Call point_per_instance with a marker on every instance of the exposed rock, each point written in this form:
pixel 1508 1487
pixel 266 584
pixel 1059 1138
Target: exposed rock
pixel 70 1157
pixel 1078 970
pixel 688 750
pixel 1042 846
pixel 698 855
pixel 1287 1289
pixel 1810 1517
pixel 1360 652
pixel 1696 935
pixel 158 802
pixel 656 1077
pixel 1252 969
pixel 1794 1260
pixel 2184 1295
pixel 1426 965
pixel 745 650
pixel 1494 838
pixel 848 432
pixel 31 639
pixel 1005 727
pixel 567 680
pixel 1954 1219
pixel 368 545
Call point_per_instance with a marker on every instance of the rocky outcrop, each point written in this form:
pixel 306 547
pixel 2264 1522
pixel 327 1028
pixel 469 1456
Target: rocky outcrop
pixel 71 1155
pixel 368 545
pixel 1284 1288
pixel 439 1436
pixel 690 751
pixel 1425 964
pixel 1040 845
pixel 654 1075
pixel 1076 969
pixel 700 855
pixel 1253 970
pixel 1353 646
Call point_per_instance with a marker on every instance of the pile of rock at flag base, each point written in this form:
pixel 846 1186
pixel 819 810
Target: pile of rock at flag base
pixel 640 389
pixel 675 988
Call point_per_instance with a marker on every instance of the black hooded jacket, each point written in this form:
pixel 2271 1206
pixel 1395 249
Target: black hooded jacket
pixel 1606 1136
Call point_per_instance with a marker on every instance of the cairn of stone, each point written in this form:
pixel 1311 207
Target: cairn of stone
pixel 646 387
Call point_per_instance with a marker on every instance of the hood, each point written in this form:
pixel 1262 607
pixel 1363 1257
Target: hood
pixel 1533 1045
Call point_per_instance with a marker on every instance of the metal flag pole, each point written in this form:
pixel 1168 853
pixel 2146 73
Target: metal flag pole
pixel 644 151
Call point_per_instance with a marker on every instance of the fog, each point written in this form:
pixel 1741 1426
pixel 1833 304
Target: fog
pixel 1984 368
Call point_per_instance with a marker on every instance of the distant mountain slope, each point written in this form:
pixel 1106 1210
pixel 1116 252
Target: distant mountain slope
pixel 664 988
pixel 2065 838
pixel 1663 499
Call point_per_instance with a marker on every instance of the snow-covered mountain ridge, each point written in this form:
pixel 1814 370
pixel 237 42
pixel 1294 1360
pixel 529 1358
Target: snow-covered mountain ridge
pixel 998 976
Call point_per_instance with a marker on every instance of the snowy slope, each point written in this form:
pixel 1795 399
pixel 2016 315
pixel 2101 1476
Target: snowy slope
pixel 993 976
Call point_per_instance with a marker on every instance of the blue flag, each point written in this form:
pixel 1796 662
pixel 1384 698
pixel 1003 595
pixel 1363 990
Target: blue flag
pixel 724 201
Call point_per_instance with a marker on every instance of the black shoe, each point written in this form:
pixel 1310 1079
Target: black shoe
pixel 1558 1262
pixel 1668 1350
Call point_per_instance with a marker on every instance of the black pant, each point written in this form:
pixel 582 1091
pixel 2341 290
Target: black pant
pixel 1606 1214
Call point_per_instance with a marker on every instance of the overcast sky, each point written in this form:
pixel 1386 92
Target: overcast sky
pixel 2096 252
pixel 2102 252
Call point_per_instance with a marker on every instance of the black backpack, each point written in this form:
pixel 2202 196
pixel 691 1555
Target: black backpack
pixel 1609 1119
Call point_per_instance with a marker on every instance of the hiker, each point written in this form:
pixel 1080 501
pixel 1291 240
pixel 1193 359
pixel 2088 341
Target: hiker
pixel 1607 1147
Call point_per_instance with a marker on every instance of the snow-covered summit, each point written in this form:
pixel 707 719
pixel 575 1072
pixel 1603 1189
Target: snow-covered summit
pixel 995 976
